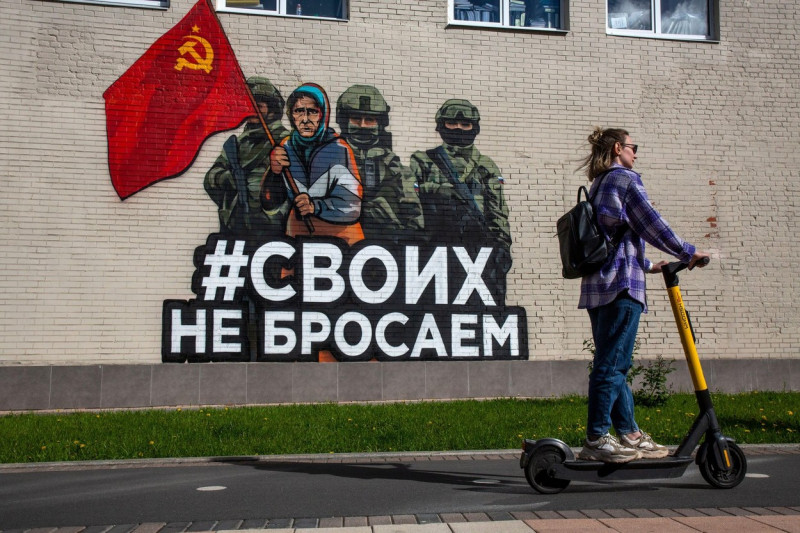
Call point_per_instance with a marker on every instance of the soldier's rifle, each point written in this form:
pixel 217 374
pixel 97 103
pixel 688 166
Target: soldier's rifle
pixel 231 148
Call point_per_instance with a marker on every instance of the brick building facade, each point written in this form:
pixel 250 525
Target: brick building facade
pixel 717 120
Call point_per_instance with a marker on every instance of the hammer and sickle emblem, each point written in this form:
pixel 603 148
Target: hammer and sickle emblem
pixel 197 62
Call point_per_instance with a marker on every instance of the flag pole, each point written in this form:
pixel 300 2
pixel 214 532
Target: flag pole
pixel 285 172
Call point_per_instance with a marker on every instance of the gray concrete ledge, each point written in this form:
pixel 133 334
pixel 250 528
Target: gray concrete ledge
pixel 33 388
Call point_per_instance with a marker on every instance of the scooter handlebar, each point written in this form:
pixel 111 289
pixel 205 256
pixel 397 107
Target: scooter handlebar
pixel 670 270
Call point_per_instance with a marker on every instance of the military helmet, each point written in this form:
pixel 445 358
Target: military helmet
pixel 457 109
pixel 264 91
pixel 364 99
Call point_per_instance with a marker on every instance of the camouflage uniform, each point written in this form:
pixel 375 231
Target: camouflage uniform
pixel 252 148
pixel 461 191
pixel 476 214
pixel 390 208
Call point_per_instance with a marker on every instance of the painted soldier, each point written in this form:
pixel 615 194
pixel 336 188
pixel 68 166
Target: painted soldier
pixel 234 181
pixel 461 190
pixel 390 209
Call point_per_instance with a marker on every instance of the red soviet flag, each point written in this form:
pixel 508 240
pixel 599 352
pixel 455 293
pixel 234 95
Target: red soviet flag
pixel 186 86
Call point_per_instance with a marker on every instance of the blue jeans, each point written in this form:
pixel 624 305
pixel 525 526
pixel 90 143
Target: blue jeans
pixel 614 329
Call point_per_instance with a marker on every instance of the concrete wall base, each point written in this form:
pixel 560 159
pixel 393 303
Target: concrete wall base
pixel 34 388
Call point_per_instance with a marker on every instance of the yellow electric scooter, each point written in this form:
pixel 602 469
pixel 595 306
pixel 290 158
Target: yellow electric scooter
pixel 550 464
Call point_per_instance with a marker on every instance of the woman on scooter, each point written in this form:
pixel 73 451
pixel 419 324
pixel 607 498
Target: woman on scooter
pixel 615 295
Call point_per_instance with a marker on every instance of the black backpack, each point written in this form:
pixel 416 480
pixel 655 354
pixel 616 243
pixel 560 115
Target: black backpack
pixel 584 248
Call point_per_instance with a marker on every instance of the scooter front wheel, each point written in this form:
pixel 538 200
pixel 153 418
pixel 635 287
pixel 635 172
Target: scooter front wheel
pixel 537 470
pixel 720 478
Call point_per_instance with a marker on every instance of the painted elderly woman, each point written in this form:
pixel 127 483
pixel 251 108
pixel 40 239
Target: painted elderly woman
pixel 322 182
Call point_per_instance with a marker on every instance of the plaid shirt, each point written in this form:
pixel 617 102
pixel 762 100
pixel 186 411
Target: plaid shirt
pixel 621 203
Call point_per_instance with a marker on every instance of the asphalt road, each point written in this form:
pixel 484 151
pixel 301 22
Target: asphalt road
pixel 129 493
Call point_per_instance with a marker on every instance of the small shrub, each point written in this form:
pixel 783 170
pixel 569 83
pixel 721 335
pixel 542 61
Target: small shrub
pixel 654 390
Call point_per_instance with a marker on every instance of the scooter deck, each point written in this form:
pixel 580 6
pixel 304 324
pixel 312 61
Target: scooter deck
pixel 577 470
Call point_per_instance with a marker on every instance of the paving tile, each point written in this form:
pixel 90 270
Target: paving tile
pixel 547 515
pixel 759 511
pixel 254 523
pixel 785 510
pixel 665 512
pixel 642 513
pixel 595 513
pixel 305 523
pixel 476 517
pixel 69 529
pixel 428 518
pixel 452 518
pixel 331 521
pixel 149 527
pixel 499 516
pixel 618 513
pixel 402 519
pixel 712 511
pixel 725 524
pixel 175 527
pixel 97 529
pixel 571 514
pixel 379 520
pixel 506 526
pixel 224 525
pixel 42 530
pixel 568 525
pixel 411 528
pixel 355 521
pixel 788 523
pixel 646 525
pixel 122 528
pixel 278 523
pixel 520 515
pixel 199 526
pixel 360 529
pixel 735 511
pixel 690 512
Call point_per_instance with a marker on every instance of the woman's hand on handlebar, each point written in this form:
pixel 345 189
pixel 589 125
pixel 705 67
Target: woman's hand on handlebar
pixel 699 259
pixel 656 268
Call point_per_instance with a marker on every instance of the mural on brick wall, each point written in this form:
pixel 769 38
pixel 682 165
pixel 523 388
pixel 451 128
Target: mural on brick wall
pixel 329 248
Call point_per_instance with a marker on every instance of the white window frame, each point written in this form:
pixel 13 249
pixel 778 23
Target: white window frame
pixel 147 4
pixel 281 11
pixel 505 19
pixel 655 22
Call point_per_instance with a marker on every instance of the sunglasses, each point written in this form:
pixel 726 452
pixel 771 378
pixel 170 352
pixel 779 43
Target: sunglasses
pixel 634 147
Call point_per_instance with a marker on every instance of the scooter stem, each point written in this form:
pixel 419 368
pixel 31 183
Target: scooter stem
pixel 670 273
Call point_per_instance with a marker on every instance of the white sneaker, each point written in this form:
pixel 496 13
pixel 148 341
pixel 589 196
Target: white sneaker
pixel 608 450
pixel 646 446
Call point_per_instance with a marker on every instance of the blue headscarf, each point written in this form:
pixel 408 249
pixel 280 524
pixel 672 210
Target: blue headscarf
pixel 304 145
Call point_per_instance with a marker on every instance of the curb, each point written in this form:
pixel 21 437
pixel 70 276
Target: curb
pixel 373 457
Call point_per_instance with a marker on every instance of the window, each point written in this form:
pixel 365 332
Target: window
pixel 678 19
pixel 537 14
pixel 155 4
pixel 332 9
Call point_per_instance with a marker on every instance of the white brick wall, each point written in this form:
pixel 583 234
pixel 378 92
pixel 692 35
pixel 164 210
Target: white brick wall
pixel 83 275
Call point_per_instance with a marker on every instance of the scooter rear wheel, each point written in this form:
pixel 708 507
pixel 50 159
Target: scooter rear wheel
pixel 537 470
pixel 719 478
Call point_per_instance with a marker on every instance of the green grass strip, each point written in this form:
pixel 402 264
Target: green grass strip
pixel 393 427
